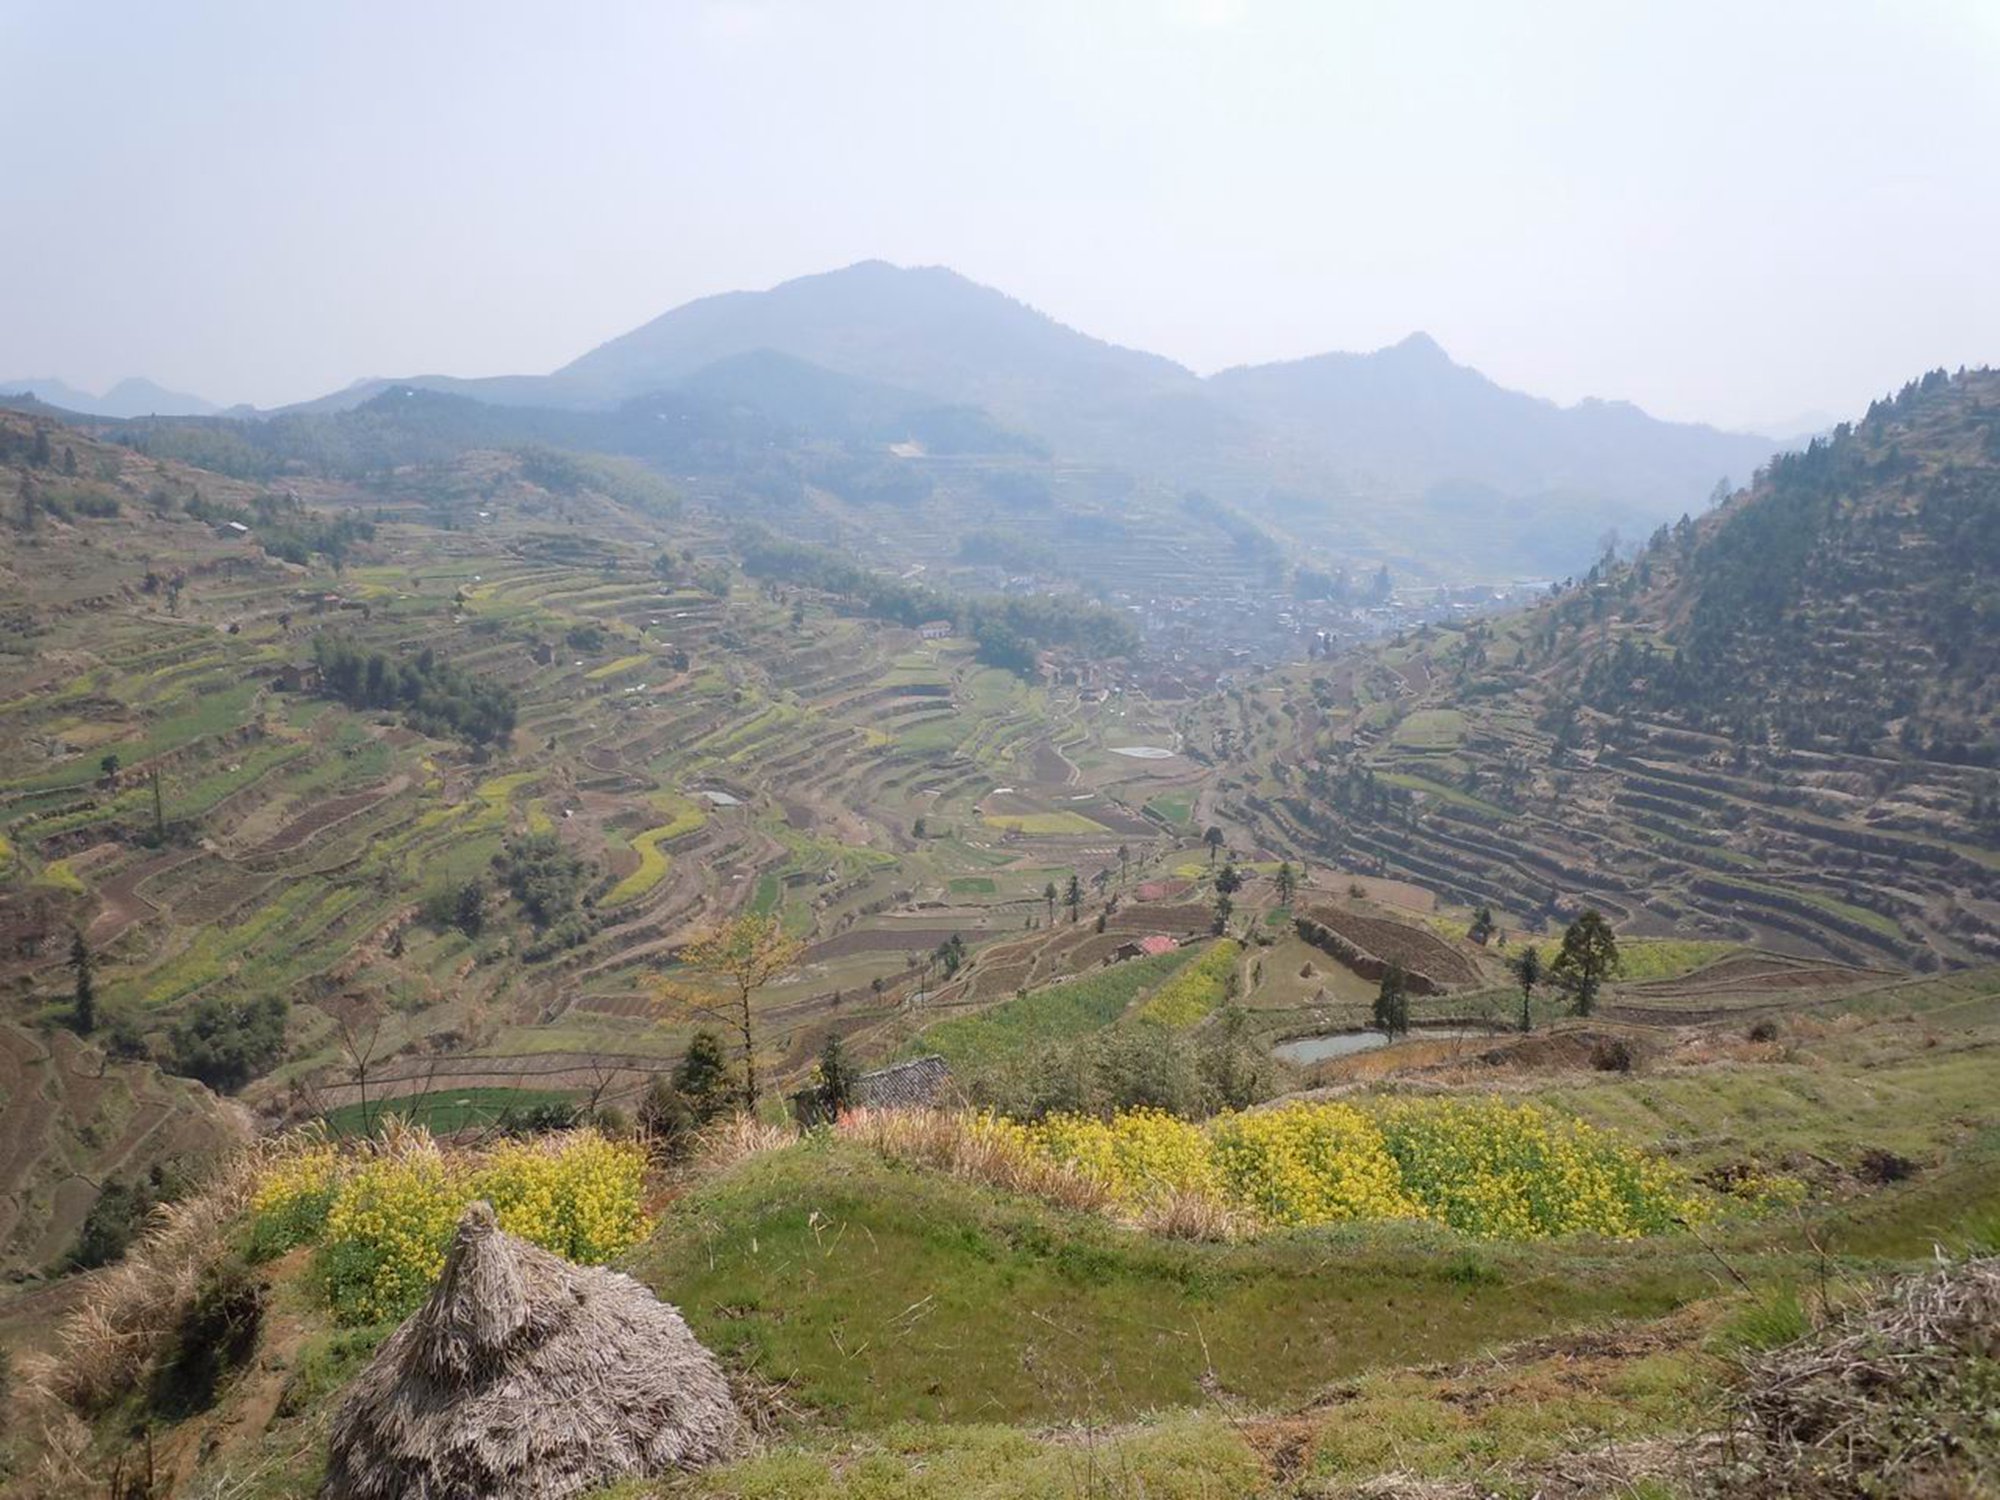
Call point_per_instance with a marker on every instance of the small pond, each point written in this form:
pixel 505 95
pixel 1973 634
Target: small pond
pixel 1312 1049
pixel 1143 752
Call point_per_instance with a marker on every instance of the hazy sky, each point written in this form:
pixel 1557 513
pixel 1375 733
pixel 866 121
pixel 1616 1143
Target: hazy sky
pixel 1737 212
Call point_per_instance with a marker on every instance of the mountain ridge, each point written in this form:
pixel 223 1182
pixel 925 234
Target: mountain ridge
pixel 134 396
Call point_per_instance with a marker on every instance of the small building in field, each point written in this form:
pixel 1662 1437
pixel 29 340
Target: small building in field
pixel 296 679
pixel 935 630
pixel 920 1083
pixel 1145 947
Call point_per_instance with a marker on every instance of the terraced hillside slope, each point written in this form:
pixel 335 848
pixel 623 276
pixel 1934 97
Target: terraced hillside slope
pixel 1775 723
pixel 412 787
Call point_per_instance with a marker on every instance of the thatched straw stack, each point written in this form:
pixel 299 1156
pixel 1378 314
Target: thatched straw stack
pixel 527 1378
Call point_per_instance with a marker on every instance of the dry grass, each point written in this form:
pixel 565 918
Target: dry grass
pixel 735 1139
pixel 1896 1396
pixel 971 1147
pixel 131 1310
pixel 1194 1216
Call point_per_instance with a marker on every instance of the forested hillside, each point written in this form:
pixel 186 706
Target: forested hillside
pixel 1851 601
pixel 1774 722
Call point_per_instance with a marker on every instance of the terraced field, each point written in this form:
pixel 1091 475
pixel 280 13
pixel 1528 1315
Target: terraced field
pixel 176 784
pixel 1810 851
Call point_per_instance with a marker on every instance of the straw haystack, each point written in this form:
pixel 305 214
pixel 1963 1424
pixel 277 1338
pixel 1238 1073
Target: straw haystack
pixel 527 1378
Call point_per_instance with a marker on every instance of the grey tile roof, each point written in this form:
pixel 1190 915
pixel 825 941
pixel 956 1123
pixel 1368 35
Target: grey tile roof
pixel 917 1084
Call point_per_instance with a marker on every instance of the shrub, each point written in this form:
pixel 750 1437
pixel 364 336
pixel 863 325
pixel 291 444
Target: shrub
pixel 667 1121
pixel 119 1214
pixel 1611 1054
pixel 216 1334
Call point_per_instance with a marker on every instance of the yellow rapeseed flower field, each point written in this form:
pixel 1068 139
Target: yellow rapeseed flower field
pixel 1484 1166
pixel 381 1221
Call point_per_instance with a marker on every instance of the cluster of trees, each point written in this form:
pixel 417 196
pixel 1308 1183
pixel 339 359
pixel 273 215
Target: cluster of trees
pixel 432 695
pixel 1854 577
pixel 285 528
pixel 1193 1074
pixel 551 882
pixel 570 474
pixel 1009 550
pixel 702 1089
pixel 1587 958
pixel 1250 541
pixel 1010 631
pixel 461 906
pixel 226 1043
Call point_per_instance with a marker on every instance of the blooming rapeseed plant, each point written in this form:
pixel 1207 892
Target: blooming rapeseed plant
pixel 1485 1167
pixel 381 1222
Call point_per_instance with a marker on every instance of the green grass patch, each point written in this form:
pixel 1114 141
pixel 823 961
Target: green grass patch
pixel 881 1294
pixel 616 668
pixel 445 1110
pixel 960 885
pixel 1431 729
pixel 1177 808
pixel 1437 789
pixel 1073 1008
pixel 1641 959
pixel 1045 824
pixel 1183 1456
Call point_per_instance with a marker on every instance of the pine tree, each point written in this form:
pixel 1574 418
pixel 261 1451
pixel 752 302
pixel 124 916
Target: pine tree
pixel 1392 1002
pixel 836 1079
pixel 702 1077
pixel 84 967
pixel 1589 956
pixel 1287 883
pixel 1528 972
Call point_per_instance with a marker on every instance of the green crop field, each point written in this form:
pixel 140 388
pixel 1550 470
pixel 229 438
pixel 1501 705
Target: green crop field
pixel 1074 1007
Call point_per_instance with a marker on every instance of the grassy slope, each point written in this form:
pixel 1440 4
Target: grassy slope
pixel 880 1294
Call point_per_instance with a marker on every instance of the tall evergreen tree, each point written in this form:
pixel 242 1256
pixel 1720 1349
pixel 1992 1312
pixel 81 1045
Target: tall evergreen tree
pixel 1527 969
pixel 1392 1002
pixel 1589 956
pixel 836 1079
pixel 1287 881
pixel 84 966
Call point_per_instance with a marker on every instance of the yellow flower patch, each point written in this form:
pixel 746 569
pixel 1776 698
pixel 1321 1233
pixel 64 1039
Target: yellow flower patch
pixel 381 1223
pixel 1485 1167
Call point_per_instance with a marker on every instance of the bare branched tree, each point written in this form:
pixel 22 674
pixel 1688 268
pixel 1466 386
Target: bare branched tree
pixel 746 954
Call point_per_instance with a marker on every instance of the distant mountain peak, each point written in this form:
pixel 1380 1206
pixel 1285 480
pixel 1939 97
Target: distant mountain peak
pixel 1419 346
